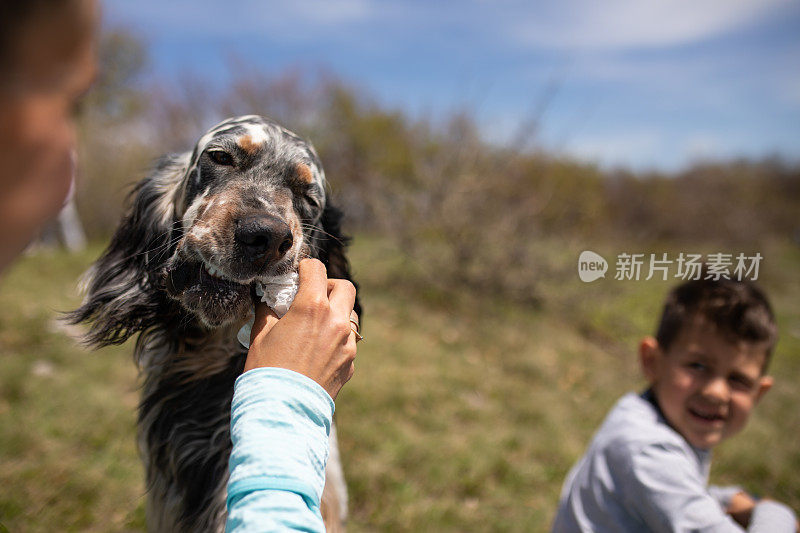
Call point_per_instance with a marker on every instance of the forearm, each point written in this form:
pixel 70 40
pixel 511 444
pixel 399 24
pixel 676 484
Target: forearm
pixel 280 422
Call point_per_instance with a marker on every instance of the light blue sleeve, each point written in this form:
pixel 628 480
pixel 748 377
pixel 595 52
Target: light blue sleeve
pixel 280 422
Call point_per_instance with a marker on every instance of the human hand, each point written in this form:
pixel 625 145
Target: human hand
pixel 741 508
pixel 315 337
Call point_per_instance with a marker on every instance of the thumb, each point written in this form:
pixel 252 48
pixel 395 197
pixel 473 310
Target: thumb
pixel 264 321
pixel 312 280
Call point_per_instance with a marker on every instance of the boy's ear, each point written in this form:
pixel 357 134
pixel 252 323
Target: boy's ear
pixel 764 384
pixel 649 355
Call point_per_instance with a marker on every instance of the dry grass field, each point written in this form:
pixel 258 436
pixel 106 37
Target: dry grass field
pixel 464 414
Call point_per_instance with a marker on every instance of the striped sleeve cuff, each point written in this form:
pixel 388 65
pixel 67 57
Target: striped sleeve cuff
pixel 280 423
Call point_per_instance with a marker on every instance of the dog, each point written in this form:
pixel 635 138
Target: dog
pixel 245 205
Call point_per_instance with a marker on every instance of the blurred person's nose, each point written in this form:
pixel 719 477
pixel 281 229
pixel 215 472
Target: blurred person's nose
pixel 716 390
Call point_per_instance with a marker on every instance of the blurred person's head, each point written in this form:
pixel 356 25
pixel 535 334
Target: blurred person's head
pixel 46 64
pixel 707 363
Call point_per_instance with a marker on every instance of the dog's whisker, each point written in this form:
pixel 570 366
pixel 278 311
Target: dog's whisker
pixel 314 227
pixel 158 251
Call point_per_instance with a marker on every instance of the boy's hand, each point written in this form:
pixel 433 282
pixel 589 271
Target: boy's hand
pixel 315 337
pixel 741 508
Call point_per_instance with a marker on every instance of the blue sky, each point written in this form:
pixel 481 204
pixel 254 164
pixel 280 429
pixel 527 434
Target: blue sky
pixel 638 83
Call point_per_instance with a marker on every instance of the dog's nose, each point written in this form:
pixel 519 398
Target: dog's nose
pixel 263 236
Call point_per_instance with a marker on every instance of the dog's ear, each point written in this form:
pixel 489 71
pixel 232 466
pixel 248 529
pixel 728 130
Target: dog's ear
pixel 331 245
pixel 123 289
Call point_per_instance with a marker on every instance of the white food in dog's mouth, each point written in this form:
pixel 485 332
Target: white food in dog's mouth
pixel 278 293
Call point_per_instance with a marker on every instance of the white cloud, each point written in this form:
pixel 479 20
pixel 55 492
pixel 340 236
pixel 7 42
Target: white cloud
pixel 639 147
pixel 205 18
pixel 702 146
pixel 627 24
pixel 565 25
pixel 318 12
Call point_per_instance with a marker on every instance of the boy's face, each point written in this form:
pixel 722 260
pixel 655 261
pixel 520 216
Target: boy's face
pixel 705 384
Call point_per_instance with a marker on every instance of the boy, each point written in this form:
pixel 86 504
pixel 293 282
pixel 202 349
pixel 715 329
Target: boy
pixel 647 467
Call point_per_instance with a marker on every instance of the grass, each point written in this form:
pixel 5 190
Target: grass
pixel 67 425
pixel 464 414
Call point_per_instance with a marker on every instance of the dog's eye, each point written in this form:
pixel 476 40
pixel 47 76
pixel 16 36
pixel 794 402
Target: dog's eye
pixel 313 201
pixel 311 195
pixel 221 158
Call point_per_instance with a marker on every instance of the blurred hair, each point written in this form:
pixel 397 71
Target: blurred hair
pixel 15 19
pixel 18 17
pixel 738 309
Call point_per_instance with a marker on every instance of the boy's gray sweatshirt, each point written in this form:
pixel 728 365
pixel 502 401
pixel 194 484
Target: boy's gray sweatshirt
pixel 639 474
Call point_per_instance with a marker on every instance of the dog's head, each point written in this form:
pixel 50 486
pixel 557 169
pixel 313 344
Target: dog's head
pixel 251 196
pixel 245 205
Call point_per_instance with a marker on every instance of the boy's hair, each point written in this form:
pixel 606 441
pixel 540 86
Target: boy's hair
pixel 739 309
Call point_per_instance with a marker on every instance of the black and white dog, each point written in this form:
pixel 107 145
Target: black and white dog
pixel 247 204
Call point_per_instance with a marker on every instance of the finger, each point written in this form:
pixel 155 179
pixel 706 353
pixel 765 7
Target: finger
pixel 342 296
pixel 340 379
pixel 313 280
pixel 349 372
pixel 264 321
pixel 355 327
